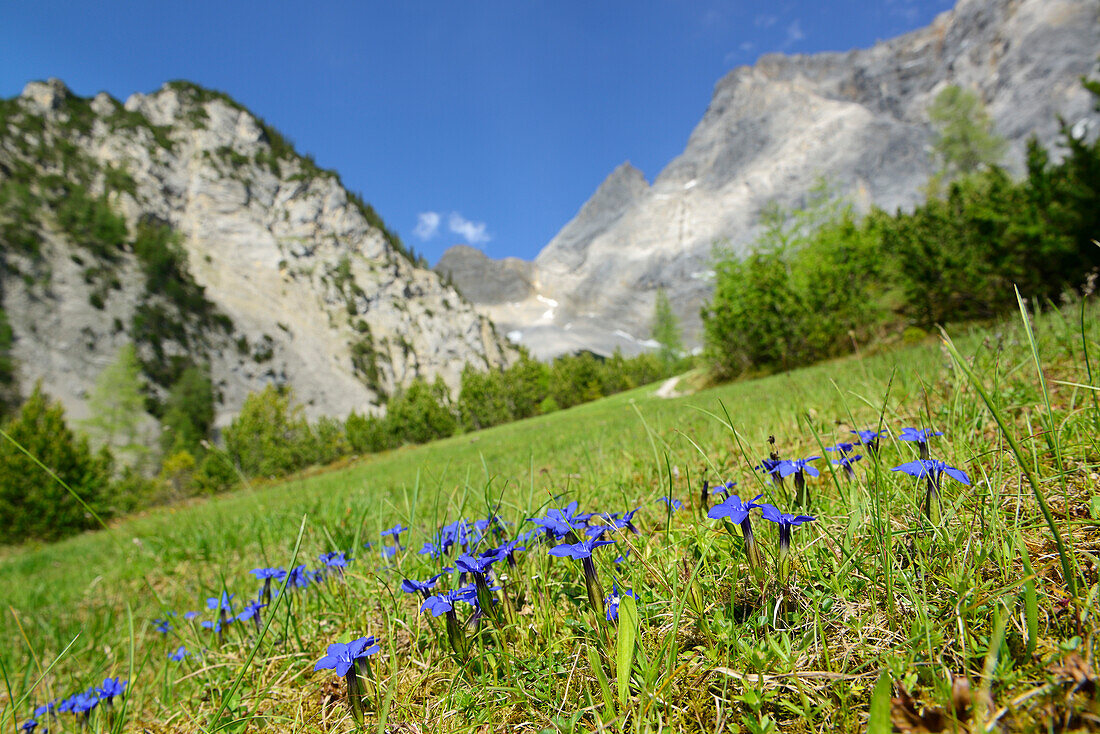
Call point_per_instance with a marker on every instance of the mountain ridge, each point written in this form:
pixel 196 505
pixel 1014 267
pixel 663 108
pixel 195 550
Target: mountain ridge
pixel 311 290
pixel 772 130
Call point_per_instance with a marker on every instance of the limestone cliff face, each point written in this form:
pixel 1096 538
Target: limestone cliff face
pixel 303 284
pixel 772 130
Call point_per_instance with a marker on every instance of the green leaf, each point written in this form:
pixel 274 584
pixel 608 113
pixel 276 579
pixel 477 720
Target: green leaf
pixel 601 678
pixel 879 723
pixel 628 635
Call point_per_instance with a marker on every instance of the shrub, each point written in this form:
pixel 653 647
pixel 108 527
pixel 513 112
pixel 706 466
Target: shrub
pixel 215 474
pixel 270 437
pixel 367 434
pixel 421 413
pixel 483 399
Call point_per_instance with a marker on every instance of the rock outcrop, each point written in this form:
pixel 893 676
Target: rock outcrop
pixel 858 120
pixel 289 278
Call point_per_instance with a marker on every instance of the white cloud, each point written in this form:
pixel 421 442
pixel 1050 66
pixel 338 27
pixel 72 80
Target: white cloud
pixel 427 225
pixel 765 21
pixel 473 232
pixel 794 33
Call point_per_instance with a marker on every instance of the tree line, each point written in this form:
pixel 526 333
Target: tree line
pixel 820 280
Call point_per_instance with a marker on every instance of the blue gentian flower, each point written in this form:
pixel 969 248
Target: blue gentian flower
pixel 111 687
pixel 723 489
pixel 162 626
pixel 335 559
pixel 785 522
pixel 673 504
pixel 29 725
pixel 479 565
pixel 783 519
pixel 223 604
pixel 733 508
pixel 736 511
pixel 190 615
pixel 843 447
pixel 442 603
pixel 509 549
pixel 389 551
pixel 870 438
pixel 479 568
pixel 46 708
pixel 920 438
pixel 215 626
pixel 846 463
pixel 582 551
pixel 179 654
pixel 788 467
pixel 613 599
pixel 269 574
pixel 933 470
pixel 622 557
pixel 409 586
pixel 342 655
pixel 560 522
pixel 299 577
pixel 614 521
pixel 83 703
pixel 395 531
pixel 770 467
pixel 431 549
pixel 252 611
pixel 799 468
pixel 347 660
pixel 445 604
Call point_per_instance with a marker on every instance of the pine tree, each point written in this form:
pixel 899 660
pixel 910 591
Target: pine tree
pixel 117 407
pixel 666 329
pixel 33 505
pixel 965 141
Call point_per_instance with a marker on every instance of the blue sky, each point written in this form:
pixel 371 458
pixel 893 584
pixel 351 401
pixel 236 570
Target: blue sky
pixel 500 118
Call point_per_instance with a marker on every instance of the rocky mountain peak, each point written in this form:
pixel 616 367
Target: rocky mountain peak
pixel 285 277
pixel 623 186
pixel 857 119
pixel 46 96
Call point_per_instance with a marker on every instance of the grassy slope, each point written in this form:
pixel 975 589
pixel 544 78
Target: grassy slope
pixel 610 455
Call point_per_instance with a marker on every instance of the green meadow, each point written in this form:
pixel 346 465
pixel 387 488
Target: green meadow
pixel 975 616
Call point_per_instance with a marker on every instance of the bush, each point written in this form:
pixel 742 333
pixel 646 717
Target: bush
pixel 330 442
pixel 483 400
pixel 215 474
pixel 367 434
pixel 270 437
pixel 421 413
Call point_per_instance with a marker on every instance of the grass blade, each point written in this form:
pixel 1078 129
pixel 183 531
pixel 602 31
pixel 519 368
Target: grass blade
pixel 1029 472
pixel 1031 601
pixel 214 720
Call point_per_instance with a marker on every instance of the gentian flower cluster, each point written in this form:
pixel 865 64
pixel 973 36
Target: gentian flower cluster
pixel 81 704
